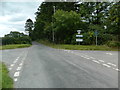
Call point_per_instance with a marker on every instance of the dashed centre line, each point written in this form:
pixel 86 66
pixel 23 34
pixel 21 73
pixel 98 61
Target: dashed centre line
pixel 106 65
pixel 112 64
pixel 101 61
pixel 109 53
pixel 96 61
pixel 92 57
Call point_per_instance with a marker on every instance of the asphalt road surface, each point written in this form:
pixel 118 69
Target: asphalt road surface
pixel 40 66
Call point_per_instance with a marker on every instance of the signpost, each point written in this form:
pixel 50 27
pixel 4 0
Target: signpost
pixel 96 34
pixel 78 31
pixel 78 37
pixel 79 40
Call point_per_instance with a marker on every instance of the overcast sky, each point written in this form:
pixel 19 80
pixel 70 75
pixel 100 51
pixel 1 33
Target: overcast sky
pixel 15 14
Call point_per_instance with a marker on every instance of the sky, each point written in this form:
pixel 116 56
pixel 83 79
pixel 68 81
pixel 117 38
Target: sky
pixel 14 13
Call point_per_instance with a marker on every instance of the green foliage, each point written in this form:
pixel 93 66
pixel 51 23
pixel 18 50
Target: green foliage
pixel 113 44
pixel 77 47
pixel 113 20
pixel 7 81
pixel 29 26
pixel 16 38
pixel 65 25
pixel 67 17
pixel 44 18
pixel 13 46
pixel 88 38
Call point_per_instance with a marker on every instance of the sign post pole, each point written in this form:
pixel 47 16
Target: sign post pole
pixel 96 40
pixel 96 33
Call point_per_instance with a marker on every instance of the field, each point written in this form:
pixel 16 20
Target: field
pixel 13 46
pixel 78 47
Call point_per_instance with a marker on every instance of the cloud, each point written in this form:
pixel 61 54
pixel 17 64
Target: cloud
pixel 14 15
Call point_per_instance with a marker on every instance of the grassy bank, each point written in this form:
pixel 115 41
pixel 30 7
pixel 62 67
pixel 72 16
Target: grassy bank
pixel 78 47
pixel 13 46
pixel 5 80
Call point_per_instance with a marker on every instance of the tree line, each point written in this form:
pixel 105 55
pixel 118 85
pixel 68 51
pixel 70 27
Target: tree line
pixel 61 20
pixel 15 37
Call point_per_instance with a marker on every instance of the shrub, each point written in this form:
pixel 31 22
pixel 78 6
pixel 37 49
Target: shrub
pixel 113 43
pixel 19 40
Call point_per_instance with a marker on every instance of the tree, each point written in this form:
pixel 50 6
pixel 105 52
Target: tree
pixel 15 37
pixel 113 20
pixel 29 26
pixel 15 34
pixel 65 25
pixel 44 17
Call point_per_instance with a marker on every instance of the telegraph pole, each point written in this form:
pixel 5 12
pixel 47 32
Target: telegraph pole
pixel 52 25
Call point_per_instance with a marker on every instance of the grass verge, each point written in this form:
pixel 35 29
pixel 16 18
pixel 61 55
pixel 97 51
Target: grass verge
pixel 13 46
pixel 78 47
pixel 5 80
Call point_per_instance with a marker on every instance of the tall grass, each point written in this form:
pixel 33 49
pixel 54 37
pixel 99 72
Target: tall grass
pixel 13 46
pixel 78 47
pixel 5 80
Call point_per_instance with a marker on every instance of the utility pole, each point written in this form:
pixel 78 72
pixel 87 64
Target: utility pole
pixel 52 25
pixel 97 22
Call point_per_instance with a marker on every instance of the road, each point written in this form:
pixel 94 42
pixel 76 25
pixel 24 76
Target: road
pixel 40 66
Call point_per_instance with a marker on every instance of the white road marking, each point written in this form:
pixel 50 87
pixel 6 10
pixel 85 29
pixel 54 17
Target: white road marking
pixel 109 53
pixel 106 65
pixel 12 65
pixel 15 79
pixel 87 58
pixel 96 61
pixel 112 64
pixel 117 69
pixel 16 74
pixel 15 61
pixel 92 57
pixel 18 58
pixel 21 64
pixel 19 68
pixel 101 60
pixel 84 57
pixel 10 68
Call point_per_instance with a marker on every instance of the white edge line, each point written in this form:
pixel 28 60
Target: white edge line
pixel 16 74
pixel 12 65
pixel 15 79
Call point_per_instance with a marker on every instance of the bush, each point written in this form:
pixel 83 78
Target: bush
pixel 19 40
pixel 113 43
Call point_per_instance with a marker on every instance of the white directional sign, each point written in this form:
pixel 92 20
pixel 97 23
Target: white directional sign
pixel 78 31
pixel 79 40
pixel 79 35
